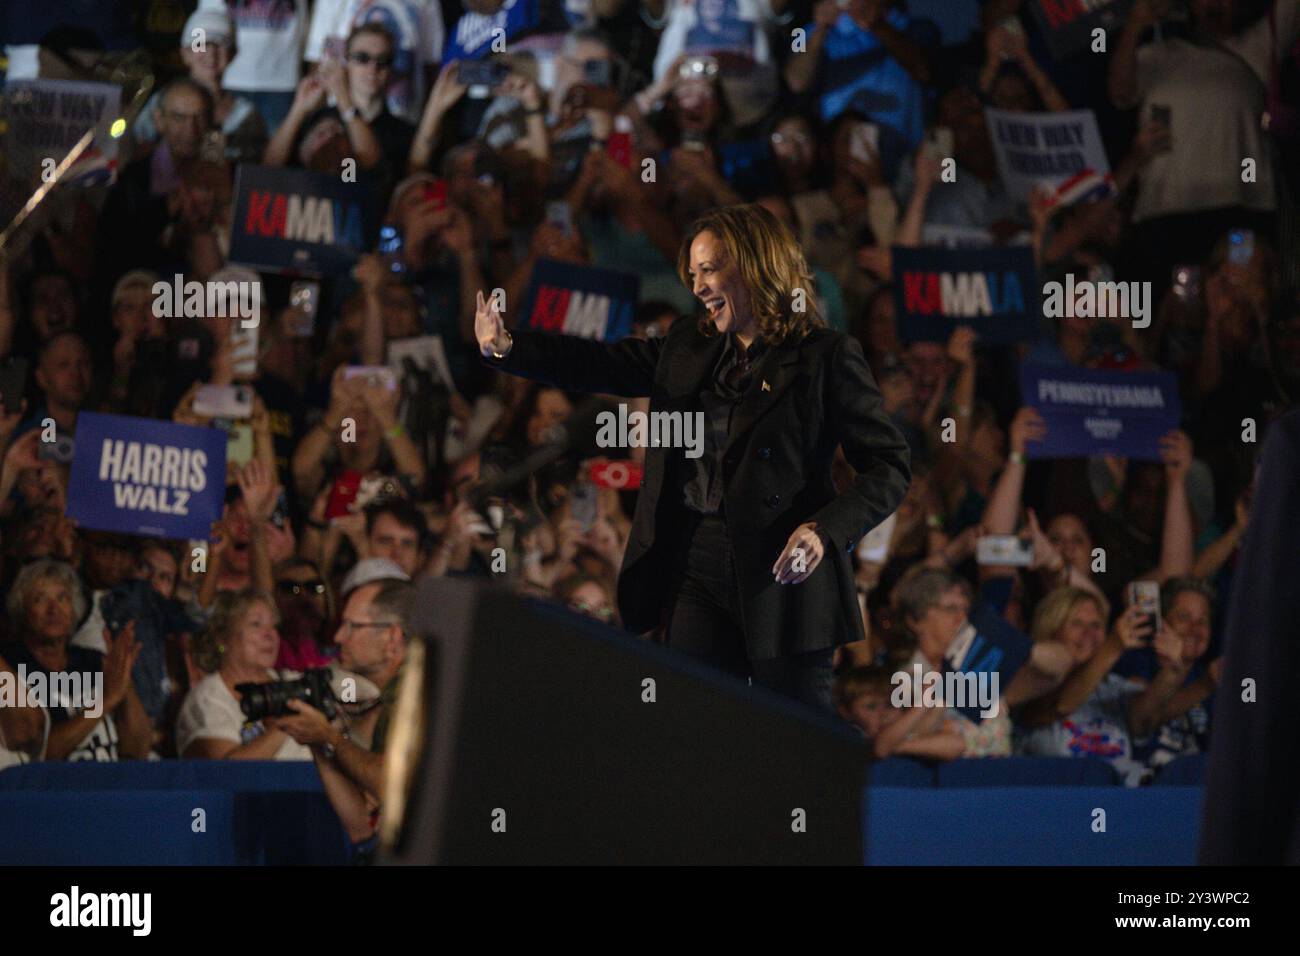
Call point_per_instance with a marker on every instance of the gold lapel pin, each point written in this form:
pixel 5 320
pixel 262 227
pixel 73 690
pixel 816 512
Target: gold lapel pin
pixel 766 387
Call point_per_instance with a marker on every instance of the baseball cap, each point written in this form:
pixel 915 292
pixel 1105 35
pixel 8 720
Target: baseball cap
pixel 216 24
pixel 131 280
pixel 370 570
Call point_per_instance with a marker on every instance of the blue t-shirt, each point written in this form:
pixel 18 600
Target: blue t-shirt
pixel 858 73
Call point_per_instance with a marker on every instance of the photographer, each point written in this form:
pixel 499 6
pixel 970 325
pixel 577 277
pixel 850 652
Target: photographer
pixel 239 646
pixel 372 639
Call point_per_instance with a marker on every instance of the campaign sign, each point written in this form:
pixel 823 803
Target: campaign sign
pixel 145 476
pixel 992 290
pixel 996 648
pixel 1067 25
pixel 1100 411
pixel 585 301
pixel 1045 149
pixel 46 118
pixel 474 32
pixel 299 222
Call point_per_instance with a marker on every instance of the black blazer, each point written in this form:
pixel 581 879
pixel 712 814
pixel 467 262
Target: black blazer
pixel 1252 786
pixel 804 399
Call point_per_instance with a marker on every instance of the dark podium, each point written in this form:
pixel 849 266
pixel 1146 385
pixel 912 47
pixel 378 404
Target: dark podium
pixel 527 735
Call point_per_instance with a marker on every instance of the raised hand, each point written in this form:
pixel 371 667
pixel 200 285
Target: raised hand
pixel 489 328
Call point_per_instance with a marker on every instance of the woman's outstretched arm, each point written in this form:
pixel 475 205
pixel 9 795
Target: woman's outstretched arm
pixel 624 368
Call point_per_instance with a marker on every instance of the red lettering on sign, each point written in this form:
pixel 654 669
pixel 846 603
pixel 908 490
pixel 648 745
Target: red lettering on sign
pixel 266 214
pixel 921 293
pixel 551 307
pixel 1061 12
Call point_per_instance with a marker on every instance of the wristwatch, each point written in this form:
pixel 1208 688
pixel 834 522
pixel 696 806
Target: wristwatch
pixel 328 749
pixel 501 355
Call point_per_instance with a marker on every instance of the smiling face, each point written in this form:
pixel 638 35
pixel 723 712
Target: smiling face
pixel 716 281
pixel 370 66
pixel 1189 618
pixel 1070 535
pixel 255 642
pixel 1083 631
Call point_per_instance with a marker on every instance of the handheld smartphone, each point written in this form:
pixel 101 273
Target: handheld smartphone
pixel 342 493
pixel 213 149
pixel 1241 246
pixel 616 474
pixel 481 77
pixel 1146 595
pixel 559 214
pixel 390 248
pixel 1012 25
pixel 244 342
pixel 582 504
pixel 373 375
pixel 239 444
pixel 1007 549
pixel 304 297
pixel 864 141
pixel 619 148
pixel 224 401
pixel 335 48
pixel 374 489
pixel 436 193
pixel 13 383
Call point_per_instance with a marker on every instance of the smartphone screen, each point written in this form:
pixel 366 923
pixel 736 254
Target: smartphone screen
pixel 1146 595
pixel 619 148
pixel 342 493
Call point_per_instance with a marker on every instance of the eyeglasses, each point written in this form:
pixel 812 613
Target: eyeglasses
pixel 295 588
pixel 350 626
pixel 362 58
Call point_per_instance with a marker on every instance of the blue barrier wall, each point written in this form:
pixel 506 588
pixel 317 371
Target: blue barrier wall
pixel 1019 811
pixel 64 814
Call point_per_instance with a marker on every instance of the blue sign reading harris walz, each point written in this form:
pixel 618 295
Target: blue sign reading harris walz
pixel 145 476
pixel 1100 411
pixel 300 222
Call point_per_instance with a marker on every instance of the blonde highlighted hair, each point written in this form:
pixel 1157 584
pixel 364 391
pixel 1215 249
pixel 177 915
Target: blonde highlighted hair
pixel 772 267
pixel 1055 608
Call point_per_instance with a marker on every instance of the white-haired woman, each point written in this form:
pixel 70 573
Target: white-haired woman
pixel 92 707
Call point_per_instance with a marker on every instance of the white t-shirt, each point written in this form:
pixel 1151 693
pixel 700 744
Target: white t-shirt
pixel 211 711
pixel 1215 98
pixel 731 25
pixel 269 35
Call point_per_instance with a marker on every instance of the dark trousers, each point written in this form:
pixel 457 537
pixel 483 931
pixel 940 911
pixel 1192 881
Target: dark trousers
pixel 706 620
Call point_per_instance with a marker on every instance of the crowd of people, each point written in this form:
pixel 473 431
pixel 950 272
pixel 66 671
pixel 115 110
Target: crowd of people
pixel 602 130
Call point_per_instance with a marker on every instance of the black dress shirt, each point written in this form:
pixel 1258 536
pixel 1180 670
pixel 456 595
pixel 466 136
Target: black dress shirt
pixel 719 399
